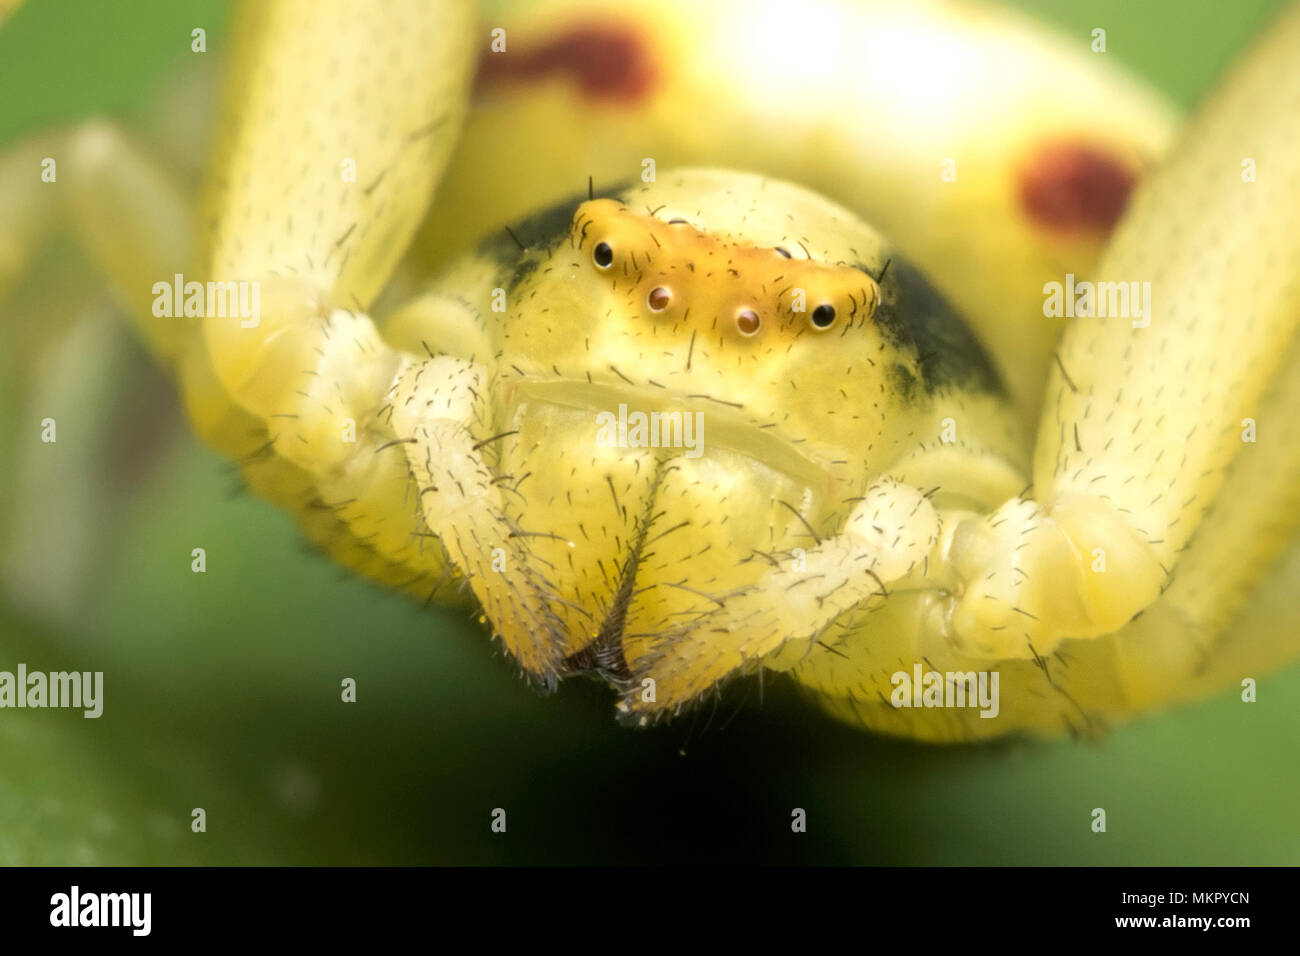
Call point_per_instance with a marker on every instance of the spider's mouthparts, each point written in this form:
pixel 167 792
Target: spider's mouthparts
pixel 605 655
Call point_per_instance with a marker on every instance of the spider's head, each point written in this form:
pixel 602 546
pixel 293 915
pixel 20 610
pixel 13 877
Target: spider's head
pixel 695 283
pixel 696 377
pixel 752 301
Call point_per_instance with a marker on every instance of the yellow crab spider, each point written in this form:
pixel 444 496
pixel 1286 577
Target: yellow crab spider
pixel 710 422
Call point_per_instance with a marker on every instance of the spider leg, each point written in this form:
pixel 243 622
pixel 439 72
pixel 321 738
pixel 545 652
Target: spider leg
pixel 132 221
pixel 1137 445
pixel 440 409
pixel 1193 641
pixel 336 129
pixel 887 537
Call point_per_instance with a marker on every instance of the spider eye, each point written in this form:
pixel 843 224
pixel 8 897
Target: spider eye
pixel 747 322
pixel 602 255
pixel 658 299
pixel 823 316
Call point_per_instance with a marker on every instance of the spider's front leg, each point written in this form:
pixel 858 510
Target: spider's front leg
pixel 317 189
pixel 440 409
pixel 1145 412
pixel 889 537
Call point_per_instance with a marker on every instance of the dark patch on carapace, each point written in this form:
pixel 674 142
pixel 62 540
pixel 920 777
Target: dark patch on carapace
pixel 902 382
pixel 915 317
pixel 606 61
pixel 1073 186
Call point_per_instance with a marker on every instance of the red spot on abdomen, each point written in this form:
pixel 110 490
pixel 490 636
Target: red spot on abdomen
pixel 605 61
pixel 1075 186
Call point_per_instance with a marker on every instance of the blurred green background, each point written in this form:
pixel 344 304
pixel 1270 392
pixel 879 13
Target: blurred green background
pixel 222 689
